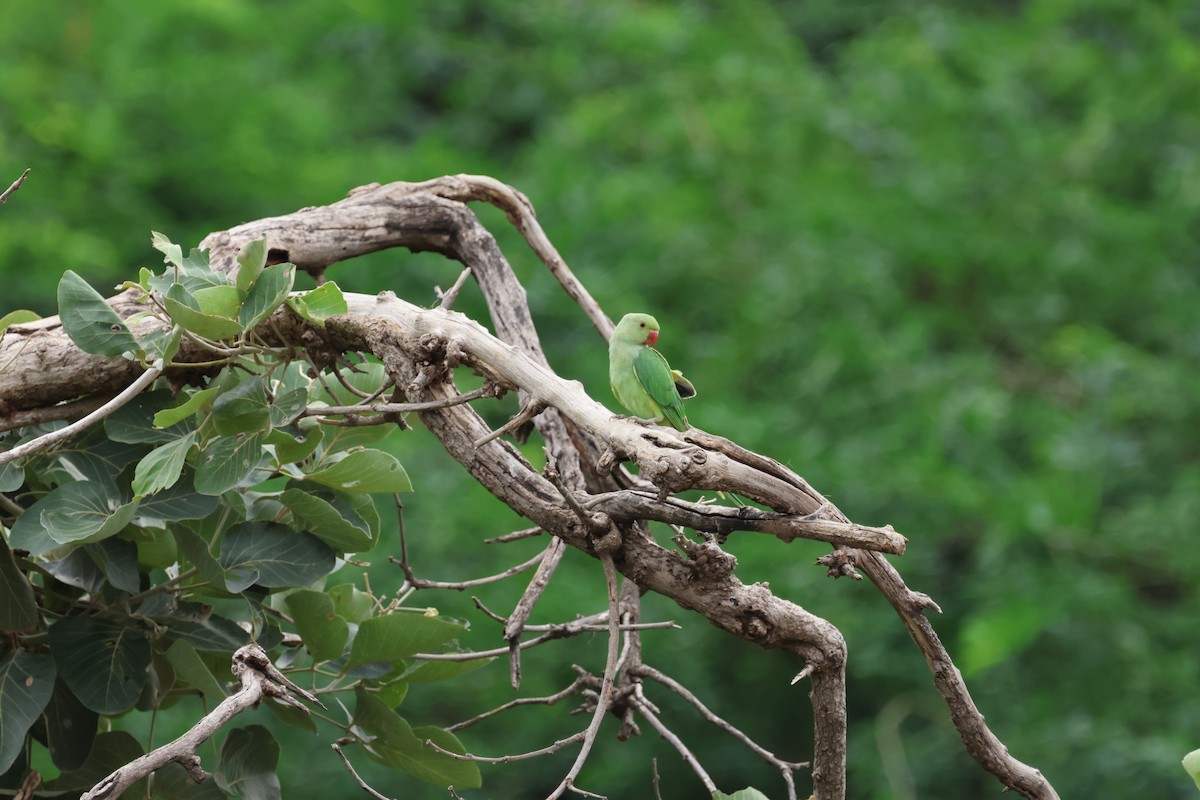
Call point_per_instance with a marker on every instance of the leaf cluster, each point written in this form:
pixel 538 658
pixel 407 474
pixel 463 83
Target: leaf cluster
pixel 137 558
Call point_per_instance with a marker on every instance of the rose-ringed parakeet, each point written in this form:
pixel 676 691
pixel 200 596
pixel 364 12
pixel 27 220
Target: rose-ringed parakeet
pixel 641 379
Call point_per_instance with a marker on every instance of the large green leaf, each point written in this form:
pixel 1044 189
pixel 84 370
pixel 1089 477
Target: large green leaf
pixel 90 322
pixel 117 560
pixel 352 603
pixel 105 663
pixel 319 304
pixel 432 671
pixel 251 259
pixel 748 793
pixel 109 751
pixel 400 635
pixel 228 461
pixel 214 633
pixel 12 476
pixel 79 512
pixel 348 523
pixel 269 291
pixel 162 466
pixel 26 683
pixel 193 671
pixel 210 312
pixel 18 317
pixel 272 555
pixel 196 550
pixel 172 782
pixel 18 607
pixel 194 403
pixel 178 502
pixel 390 740
pixel 134 422
pixel 243 408
pixel 364 471
pixel 247 765
pixel 324 633
pixel 70 728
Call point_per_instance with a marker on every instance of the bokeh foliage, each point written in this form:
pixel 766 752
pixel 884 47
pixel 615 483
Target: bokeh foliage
pixel 941 258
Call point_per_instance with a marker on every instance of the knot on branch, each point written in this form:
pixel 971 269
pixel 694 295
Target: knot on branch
pixel 708 561
pixel 675 471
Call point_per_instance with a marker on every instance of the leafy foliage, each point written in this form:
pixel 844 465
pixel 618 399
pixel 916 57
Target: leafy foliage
pixel 147 552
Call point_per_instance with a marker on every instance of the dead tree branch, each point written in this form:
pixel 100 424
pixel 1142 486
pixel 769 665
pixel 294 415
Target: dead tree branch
pixel 259 679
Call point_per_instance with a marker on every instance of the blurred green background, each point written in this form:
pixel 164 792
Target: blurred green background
pixel 940 258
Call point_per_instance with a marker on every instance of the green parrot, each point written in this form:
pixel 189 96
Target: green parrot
pixel 641 378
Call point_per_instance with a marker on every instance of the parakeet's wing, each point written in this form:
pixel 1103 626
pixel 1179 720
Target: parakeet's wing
pixel 682 385
pixel 654 374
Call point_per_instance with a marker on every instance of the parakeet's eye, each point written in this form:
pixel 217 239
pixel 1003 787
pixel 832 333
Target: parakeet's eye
pixel 642 325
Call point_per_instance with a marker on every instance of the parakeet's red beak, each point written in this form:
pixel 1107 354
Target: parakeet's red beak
pixel 651 338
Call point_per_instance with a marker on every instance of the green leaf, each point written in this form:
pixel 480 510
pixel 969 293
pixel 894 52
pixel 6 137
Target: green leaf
pixel 18 317
pixel 430 765
pixel 294 444
pixel 198 400
pixel 336 519
pixel 90 322
pixel 161 468
pixel 18 606
pixel 212 634
pixel 324 633
pixel 160 344
pixel 172 253
pixel 193 671
pixel 351 603
pixel 172 782
pixel 400 635
pixel 70 728
pixel 109 751
pixel 134 422
pixel 267 294
pixel 117 560
pixel 176 503
pixel 364 471
pixel 80 512
pixel 104 663
pixel 251 259
pixel 432 671
pixel 26 683
pixel 291 398
pixel 391 741
pixel 228 461
pixel 155 546
pixel 186 311
pixel 1191 763
pixel 244 408
pixel 273 556
pixel 742 794
pixel 12 476
pixel 319 304
pixel 195 550
pixel 247 764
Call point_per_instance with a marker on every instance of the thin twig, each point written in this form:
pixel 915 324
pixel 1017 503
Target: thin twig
pixel 548 700
pixel 665 732
pixel 448 297
pixel 15 185
pixel 786 768
pixel 537 586
pixel 542 751
pixel 529 410
pixel 365 786
pixel 62 434
pixel 524 533
pixel 605 696
pixel 399 408
pixel 421 583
